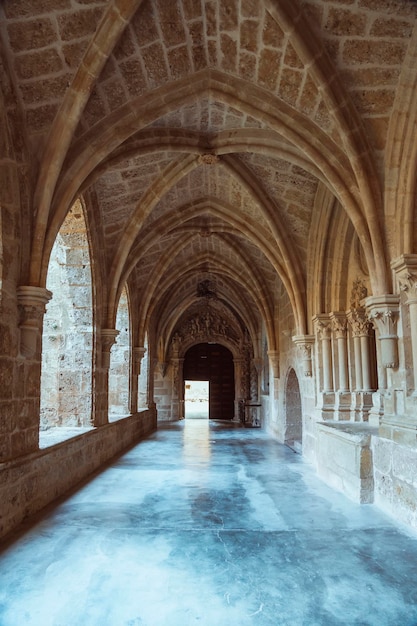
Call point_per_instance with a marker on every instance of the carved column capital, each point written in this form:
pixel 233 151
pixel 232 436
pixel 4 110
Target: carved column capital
pixel 383 311
pixel 408 285
pixel 323 326
pixel 359 322
pixel 108 339
pixel 138 354
pixel 339 325
pixel 405 268
pixel 305 344
pixel 31 303
pixel 274 360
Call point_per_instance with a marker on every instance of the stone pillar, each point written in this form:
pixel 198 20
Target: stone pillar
pixel 177 404
pixel 137 356
pixel 362 396
pixel 305 344
pixel 361 327
pixel 239 408
pixel 326 398
pixel 324 330
pixel 406 270
pixel 343 396
pixel 23 437
pixel 274 360
pixel 108 338
pixel 31 302
pixel 383 311
pixel 339 325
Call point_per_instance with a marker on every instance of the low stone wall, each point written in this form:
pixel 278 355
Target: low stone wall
pixel 29 483
pixel 396 479
pixel 344 459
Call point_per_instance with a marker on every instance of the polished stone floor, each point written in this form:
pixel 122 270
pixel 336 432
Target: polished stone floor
pixel 206 523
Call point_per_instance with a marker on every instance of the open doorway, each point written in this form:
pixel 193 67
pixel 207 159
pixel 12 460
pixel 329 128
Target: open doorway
pixel 214 363
pixel 196 399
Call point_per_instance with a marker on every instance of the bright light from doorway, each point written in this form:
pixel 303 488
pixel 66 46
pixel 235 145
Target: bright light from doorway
pixel 196 399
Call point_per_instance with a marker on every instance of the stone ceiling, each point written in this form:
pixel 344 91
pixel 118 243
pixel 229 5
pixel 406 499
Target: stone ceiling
pixel 202 128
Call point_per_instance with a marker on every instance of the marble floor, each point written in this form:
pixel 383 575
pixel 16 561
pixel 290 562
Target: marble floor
pixel 211 524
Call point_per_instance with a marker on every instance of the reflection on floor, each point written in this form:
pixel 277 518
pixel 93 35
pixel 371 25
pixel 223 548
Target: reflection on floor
pixel 208 523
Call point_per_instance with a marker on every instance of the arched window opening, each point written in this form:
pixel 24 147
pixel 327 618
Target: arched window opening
pixel 143 383
pixel 294 421
pixel 119 363
pixel 66 377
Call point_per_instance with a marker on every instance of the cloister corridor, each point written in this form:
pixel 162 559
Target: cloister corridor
pixel 206 522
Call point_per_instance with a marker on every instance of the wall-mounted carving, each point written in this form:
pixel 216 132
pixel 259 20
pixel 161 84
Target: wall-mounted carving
pixel 358 294
pixel 204 326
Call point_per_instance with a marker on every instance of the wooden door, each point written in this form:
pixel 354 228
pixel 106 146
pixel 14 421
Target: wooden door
pixel 213 362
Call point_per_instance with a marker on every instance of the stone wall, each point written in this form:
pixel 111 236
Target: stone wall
pixel 29 483
pixel 163 395
pixel 395 479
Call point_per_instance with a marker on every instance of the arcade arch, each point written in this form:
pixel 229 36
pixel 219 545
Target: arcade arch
pixel 67 340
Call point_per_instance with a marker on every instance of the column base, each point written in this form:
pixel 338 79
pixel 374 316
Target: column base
pixel 361 405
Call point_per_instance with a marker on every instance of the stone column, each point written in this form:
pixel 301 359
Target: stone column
pixel 326 398
pixel 383 311
pixel 406 270
pixel 339 325
pixel 361 327
pixel 137 356
pixel 324 330
pixel 101 416
pixel 177 404
pixel 31 302
pixel 24 436
pixel 108 339
pixel 355 321
pixel 239 399
pixel 274 360
pixel 305 344
pixel 362 398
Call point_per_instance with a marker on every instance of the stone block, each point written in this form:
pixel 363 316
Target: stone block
pixel 78 24
pixel 404 464
pixel 32 34
pixel 40 63
pixel 6 377
pixel 268 67
pixel 249 35
pixel 382 455
pixel 365 52
pixel 344 458
pixel 345 22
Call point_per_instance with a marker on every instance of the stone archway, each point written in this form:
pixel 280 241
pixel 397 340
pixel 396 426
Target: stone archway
pixel 293 413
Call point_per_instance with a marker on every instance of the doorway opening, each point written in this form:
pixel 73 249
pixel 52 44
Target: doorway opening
pixel 196 399
pixel 214 363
